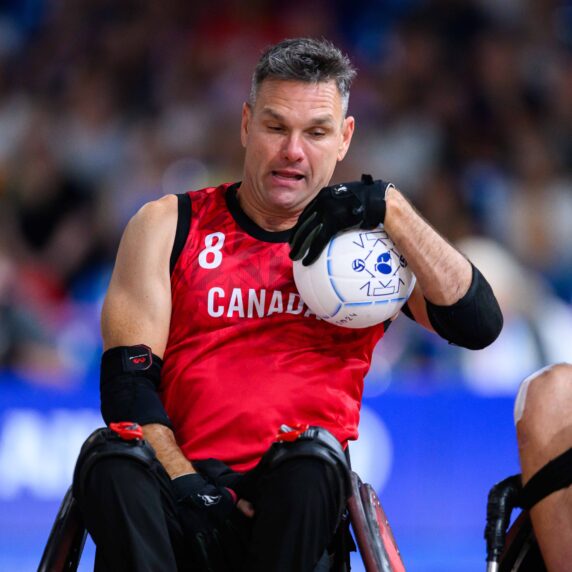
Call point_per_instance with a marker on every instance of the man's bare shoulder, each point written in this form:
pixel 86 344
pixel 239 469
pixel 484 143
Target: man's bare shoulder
pixel 158 214
pixel 154 220
pixel 152 228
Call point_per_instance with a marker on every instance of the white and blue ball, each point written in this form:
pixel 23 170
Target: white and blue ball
pixel 359 280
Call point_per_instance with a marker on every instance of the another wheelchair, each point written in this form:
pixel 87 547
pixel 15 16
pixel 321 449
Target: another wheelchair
pixel 514 548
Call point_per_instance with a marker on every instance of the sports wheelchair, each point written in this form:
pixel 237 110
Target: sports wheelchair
pixel 364 512
pixel 515 549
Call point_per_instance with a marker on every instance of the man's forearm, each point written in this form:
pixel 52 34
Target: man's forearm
pixel 443 273
pixel 162 439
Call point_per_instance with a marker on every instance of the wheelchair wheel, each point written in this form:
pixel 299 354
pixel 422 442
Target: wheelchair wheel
pixel 373 534
pixel 67 538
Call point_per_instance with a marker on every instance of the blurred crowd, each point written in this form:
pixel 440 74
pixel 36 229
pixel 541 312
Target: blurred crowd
pixel 104 105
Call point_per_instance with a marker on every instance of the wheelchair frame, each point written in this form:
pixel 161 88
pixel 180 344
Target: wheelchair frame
pixel 510 548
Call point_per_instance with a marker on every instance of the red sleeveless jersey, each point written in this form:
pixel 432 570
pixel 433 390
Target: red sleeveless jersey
pixel 245 355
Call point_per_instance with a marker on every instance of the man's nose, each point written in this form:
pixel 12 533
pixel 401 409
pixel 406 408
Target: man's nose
pixel 293 149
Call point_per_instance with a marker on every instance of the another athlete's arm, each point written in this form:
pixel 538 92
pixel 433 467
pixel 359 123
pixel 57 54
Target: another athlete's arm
pixel 137 307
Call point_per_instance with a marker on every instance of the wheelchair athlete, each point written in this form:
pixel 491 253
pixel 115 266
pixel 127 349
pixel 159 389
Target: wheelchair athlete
pixel 210 349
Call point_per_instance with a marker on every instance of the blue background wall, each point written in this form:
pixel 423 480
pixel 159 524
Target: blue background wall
pixel 433 458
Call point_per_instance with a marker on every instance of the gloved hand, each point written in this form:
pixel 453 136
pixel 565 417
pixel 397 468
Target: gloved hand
pixel 337 208
pixel 211 504
pixel 219 474
pixel 209 520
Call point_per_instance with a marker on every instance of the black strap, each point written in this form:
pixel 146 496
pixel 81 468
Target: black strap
pixel 183 227
pixel 555 475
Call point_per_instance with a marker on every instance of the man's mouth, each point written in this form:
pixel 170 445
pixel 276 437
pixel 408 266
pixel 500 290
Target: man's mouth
pixel 289 175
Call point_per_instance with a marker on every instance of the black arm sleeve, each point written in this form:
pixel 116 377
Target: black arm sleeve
pixel 474 322
pixel 130 377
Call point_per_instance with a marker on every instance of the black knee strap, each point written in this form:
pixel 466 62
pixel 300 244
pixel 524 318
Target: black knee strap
pixel 102 444
pixel 555 475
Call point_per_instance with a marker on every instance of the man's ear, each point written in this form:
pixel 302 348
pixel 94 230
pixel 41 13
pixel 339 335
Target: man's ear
pixel 347 134
pixel 245 123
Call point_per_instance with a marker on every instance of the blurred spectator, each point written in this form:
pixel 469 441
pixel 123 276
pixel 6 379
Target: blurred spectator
pixel 537 328
pixel 105 105
pixel 25 343
pixel 538 223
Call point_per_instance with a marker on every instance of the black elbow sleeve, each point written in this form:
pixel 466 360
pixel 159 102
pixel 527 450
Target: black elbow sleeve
pixel 474 322
pixel 130 377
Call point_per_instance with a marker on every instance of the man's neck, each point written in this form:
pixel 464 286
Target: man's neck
pixel 266 220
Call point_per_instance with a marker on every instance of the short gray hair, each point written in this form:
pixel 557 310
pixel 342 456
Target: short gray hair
pixel 305 59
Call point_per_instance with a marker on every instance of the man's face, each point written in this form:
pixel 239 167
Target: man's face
pixel 293 136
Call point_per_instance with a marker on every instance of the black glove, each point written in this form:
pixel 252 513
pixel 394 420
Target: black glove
pixel 219 474
pixel 337 208
pixel 211 523
pixel 210 503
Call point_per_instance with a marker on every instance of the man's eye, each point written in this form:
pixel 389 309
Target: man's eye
pixel 317 133
pixel 277 128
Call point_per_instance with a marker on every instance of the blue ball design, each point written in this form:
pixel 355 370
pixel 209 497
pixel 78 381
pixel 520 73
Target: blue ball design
pixel 382 265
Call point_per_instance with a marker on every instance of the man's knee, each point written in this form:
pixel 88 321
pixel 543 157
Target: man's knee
pixel 543 399
pixel 305 478
pixel 304 493
pixel 110 456
pixel 315 461
pixel 543 410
